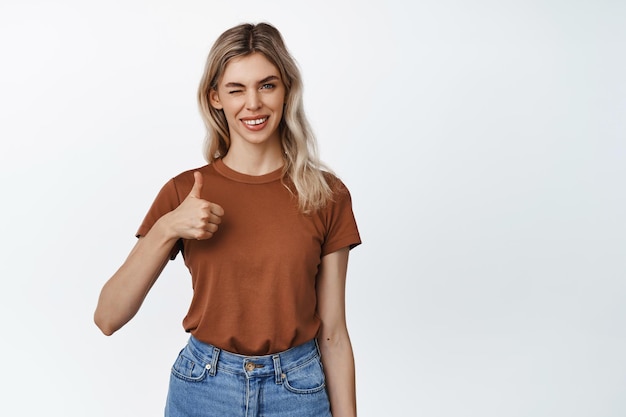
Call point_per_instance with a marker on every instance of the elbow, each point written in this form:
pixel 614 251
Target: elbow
pixel 333 338
pixel 106 331
pixel 104 325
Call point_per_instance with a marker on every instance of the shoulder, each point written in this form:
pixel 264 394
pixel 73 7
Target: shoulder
pixel 182 183
pixel 336 185
pixel 185 175
pixel 186 178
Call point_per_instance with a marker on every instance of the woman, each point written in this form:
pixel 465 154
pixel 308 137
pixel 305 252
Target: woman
pixel 265 234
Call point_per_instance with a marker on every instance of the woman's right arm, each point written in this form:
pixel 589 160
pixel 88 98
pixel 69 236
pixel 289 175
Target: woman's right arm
pixel 124 292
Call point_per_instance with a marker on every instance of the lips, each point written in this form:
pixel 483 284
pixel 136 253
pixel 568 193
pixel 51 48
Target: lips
pixel 252 122
pixel 256 123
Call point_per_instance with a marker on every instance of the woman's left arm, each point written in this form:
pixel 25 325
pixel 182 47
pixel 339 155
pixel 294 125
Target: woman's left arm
pixel 333 338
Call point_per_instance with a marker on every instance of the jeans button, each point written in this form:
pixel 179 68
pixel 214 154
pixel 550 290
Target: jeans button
pixel 249 367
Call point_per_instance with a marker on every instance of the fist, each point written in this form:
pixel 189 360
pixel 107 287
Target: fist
pixel 196 218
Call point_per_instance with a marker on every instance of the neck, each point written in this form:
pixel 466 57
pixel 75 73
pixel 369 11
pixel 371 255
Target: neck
pixel 254 160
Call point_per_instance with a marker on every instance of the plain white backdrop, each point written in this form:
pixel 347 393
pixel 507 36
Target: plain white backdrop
pixel 484 144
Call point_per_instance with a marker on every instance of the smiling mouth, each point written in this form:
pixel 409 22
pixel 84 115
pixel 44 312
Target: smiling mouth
pixel 255 122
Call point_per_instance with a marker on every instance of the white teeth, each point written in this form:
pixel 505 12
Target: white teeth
pixel 255 122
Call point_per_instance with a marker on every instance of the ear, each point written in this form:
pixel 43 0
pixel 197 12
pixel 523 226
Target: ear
pixel 214 99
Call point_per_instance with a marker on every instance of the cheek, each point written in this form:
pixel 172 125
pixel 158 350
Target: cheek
pixel 231 108
pixel 278 104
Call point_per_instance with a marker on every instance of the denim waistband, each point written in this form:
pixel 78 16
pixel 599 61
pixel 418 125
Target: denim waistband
pixel 216 359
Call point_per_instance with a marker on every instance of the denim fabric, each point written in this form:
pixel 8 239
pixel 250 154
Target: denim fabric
pixel 208 382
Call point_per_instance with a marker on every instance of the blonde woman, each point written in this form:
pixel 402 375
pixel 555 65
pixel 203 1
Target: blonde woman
pixel 265 233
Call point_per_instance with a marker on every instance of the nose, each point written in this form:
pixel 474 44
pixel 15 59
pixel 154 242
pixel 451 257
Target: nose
pixel 253 101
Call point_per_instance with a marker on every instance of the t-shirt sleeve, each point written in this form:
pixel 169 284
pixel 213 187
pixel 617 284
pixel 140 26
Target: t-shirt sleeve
pixel 341 227
pixel 166 200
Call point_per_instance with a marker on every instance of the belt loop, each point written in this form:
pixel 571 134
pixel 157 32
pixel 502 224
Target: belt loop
pixel 278 373
pixel 216 355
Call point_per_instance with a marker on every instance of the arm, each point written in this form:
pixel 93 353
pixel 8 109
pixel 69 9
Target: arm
pixel 333 338
pixel 124 292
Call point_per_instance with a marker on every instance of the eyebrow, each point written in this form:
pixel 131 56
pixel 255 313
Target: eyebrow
pixel 263 81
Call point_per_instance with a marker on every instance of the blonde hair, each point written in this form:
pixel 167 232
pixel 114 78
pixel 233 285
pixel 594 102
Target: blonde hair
pixel 302 165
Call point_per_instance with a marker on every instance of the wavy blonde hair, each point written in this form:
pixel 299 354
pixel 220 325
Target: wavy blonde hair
pixel 302 165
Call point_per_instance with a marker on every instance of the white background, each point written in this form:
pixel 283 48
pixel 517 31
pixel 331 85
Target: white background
pixel 484 146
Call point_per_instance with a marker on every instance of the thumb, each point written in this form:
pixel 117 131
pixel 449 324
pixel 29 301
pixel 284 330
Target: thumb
pixel 197 185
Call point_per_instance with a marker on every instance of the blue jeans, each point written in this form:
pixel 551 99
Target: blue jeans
pixel 210 382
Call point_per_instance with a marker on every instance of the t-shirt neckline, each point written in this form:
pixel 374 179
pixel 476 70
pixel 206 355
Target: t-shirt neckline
pixel 229 173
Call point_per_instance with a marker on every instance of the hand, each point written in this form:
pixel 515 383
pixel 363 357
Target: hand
pixel 195 218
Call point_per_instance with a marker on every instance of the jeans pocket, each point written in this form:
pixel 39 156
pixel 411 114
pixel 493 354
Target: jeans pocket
pixel 188 368
pixel 307 378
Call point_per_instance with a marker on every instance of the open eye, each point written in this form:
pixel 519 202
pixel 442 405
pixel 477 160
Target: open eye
pixel 267 86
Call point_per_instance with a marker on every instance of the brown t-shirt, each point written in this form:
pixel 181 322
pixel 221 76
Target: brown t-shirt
pixel 254 280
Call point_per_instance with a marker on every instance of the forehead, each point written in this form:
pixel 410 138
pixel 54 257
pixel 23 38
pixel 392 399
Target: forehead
pixel 249 69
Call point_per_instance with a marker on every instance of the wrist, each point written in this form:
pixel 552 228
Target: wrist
pixel 163 228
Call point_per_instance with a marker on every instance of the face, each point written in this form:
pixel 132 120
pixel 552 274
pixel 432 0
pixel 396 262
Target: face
pixel 251 94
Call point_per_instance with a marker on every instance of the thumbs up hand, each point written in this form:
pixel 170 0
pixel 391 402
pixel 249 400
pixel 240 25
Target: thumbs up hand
pixel 195 218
